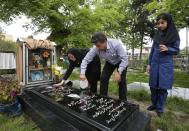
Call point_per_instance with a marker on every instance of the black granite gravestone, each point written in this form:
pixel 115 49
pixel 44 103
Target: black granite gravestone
pixel 71 109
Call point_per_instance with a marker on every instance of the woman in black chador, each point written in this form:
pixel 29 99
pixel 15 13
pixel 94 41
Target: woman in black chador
pixel 75 57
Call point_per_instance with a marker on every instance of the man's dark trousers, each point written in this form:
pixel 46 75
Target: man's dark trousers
pixel 104 80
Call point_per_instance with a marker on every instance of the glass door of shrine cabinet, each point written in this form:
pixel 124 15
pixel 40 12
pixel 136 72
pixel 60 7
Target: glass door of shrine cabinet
pixel 38 65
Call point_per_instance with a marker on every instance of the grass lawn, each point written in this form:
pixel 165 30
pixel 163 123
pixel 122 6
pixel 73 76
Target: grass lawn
pixel 136 76
pixel 21 123
pixel 181 79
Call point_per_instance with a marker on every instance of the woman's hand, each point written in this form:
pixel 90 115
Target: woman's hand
pixel 117 77
pixel 82 77
pixel 163 48
pixel 59 84
pixel 148 69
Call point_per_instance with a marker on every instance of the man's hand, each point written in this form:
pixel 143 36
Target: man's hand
pixel 82 77
pixel 117 77
pixel 163 48
pixel 59 84
pixel 148 69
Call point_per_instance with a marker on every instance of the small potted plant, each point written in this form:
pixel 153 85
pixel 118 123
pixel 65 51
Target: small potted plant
pixel 9 103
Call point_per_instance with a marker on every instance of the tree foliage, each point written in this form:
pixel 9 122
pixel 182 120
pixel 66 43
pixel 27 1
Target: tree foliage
pixel 72 22
pixel 7 46
pixel 136 24
pixel 178 8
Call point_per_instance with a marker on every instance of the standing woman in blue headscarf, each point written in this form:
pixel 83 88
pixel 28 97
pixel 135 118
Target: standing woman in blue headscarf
pixel 160 63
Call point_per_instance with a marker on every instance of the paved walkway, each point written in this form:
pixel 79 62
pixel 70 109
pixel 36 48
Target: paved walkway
pixel 176 91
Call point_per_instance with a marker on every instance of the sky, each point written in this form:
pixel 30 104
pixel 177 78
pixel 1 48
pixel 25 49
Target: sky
pixel 17 30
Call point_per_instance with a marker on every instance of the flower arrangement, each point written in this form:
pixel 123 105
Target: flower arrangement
pixel 45 54
pixel 36 60
pixel 57 71
pixel 56 95
pixel 8 91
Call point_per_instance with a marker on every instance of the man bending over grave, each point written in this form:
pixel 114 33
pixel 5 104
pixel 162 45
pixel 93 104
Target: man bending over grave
pixel 116 58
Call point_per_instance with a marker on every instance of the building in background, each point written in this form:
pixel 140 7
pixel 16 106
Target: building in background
pixel 6 37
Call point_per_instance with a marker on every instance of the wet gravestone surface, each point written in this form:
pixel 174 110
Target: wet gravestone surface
pixel 90 110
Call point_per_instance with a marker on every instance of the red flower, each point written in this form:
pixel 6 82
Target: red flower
pixel 13 93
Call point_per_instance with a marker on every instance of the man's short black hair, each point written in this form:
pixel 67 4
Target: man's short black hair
pixel 98 37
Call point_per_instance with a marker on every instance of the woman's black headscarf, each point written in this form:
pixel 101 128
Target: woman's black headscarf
pixel 76 53
pixel 79 54
pixel 170 34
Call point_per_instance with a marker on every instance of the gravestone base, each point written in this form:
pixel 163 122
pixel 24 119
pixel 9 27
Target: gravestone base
pixel 85 112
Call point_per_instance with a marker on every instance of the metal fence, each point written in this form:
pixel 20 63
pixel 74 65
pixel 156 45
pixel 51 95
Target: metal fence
pixel 182 63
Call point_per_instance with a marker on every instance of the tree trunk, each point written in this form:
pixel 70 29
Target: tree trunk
pixel 141 46
pixel 133 52
pixel 187 47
